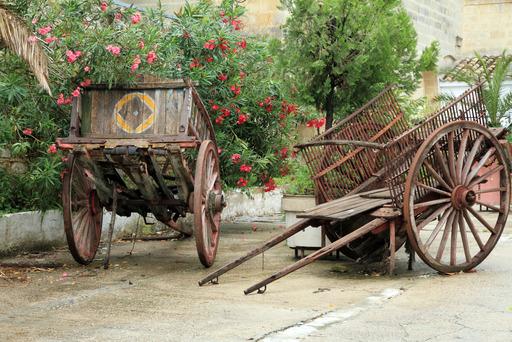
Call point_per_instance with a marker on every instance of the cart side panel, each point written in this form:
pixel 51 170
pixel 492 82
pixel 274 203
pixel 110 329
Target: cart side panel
pixel 132 113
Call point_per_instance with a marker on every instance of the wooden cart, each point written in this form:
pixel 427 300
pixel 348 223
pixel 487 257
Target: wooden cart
pixel 380 183
pixel 146 148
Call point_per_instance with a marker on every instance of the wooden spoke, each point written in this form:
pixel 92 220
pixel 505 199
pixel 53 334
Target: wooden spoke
pixel 473 229
pixel 453 245
pixel 430 203
pixel 444 238
pixel 429 188
pixel 471 157
pixel 485 176
pixel 481 219
pixel 480 164
pixel 483 191
pixel 442 162
pixel 490 206
pixel 451 157
pixel 432 216
pixel 464 237
pixel 437 176
pixel 468 154
pixel 438 227
pixel 460 158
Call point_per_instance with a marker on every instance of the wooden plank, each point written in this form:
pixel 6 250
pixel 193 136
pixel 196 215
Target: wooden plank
pixel 342 213
pixel 173 105
pixel 159 125
pixel 356 234
pixel 85 114
pixel 337 201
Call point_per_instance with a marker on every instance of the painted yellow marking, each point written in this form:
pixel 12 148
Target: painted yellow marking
pixel 126 126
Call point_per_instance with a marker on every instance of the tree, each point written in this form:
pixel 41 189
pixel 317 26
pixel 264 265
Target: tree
pixel 340 53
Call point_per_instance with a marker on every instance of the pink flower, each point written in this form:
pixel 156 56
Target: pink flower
pixel 242 75
pixel 225 112
pixel 118 16
pixel 27 131
pixel 210 45
pixel 245 168
pixel 52 149
pixel 235 158
pixel 87 82
pixel 61 101
pixel 141 44
pixel 113 49
pixel 215 107
pixel 43 31
pixel 104 6
pixel 222 77
pixel 76 92
pixel 49 40
pixel 136 63
pixel 151 58
pixel 219 150
pixel 136 18
pixel 87 69
pixel 72 56
pixel 32 39
pixel 242 118
pixel 209 59
pixel 312 123
pixel 241 182
pixel 320 122
pixel 35 21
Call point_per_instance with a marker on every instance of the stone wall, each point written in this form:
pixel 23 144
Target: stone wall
pixel 487 26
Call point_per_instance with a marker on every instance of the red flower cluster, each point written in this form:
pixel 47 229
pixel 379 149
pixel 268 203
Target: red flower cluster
pixel 242 118
pixel 136 63
pixel 210 45
pixel 223 44
pixel 245 168
pixel 235 158
pixel 195 63
pixel 85 83
pixel 61 101
pixel 215 107
pixel 318 123
pixel 104 6
pixel 52 149
pixel 49 40
pixel 113 49
pixel 27 131
pixel 283 153
pixel 72 56
pixel 267 103
pixel 242 44
pixel 136 18
pixel 241 182
pixel 235 89
pixel 237 24
pixel 222 77
pixel 209 59
pixel 151 58
pixel 270 185
pixel 43 31
pixel 76 92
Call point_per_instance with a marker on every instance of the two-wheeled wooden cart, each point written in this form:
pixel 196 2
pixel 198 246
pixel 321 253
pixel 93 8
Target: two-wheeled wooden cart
pixel 380 183
pixel 145 148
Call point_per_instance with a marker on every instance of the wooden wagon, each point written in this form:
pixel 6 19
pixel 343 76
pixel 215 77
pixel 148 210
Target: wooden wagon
pixel 380 183
pixel 145 148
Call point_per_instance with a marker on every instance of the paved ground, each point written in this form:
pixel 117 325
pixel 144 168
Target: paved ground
pixel 153 295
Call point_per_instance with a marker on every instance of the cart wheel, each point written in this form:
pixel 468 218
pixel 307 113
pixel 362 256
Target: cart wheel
pixel 441 192
pixel 83 213
pixel 208 203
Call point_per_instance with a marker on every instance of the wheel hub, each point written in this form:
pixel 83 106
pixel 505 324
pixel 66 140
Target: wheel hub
pixel 462 197
pixel 216 201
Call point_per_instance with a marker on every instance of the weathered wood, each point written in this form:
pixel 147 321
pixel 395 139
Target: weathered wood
pixel 318 254
pixel 292 230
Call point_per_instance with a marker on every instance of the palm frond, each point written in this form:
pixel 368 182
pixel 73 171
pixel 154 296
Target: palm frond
pixel 14 34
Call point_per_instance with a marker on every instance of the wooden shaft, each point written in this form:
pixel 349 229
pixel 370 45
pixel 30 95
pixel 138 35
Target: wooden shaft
pixel 293 229
pixel 319 253
pixel 392 246
pixel 106 261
